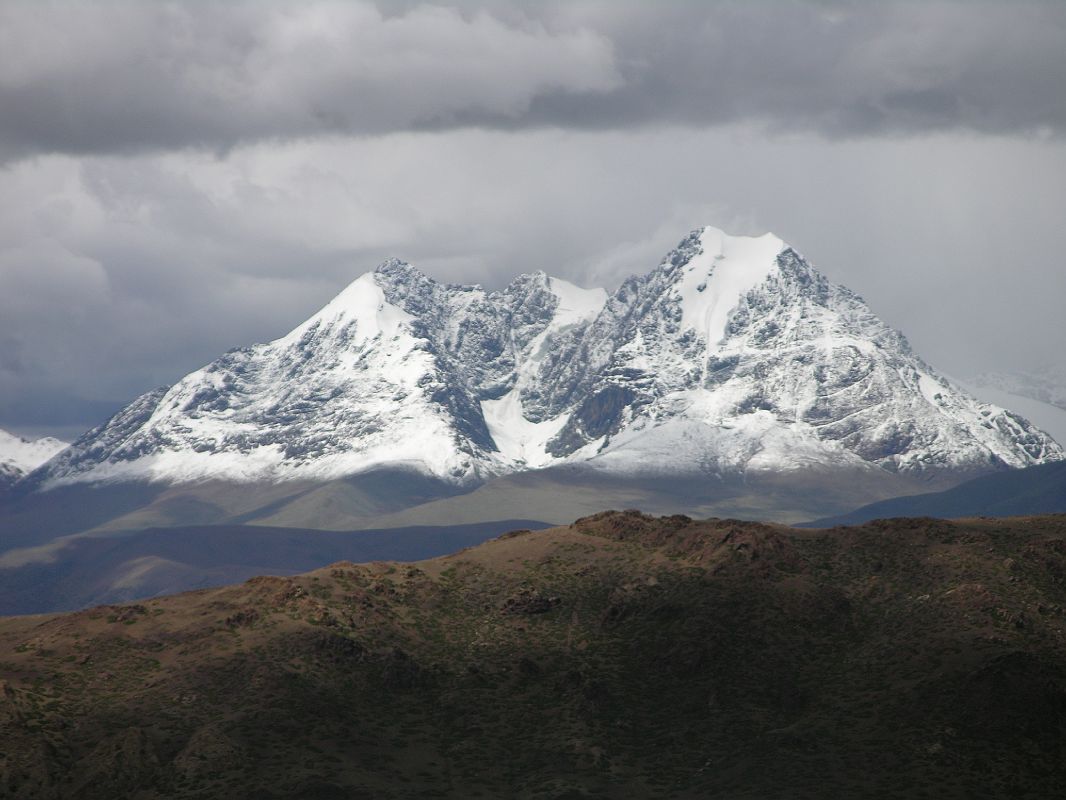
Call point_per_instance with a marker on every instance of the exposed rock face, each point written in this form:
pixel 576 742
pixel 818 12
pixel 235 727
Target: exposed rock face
pixel 732 355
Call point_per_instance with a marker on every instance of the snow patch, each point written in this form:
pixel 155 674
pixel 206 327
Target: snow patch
pixel 575 304
pixel 713 282
pixel 516 437
pixel 19 456
pixel 362 302
pixel 930 389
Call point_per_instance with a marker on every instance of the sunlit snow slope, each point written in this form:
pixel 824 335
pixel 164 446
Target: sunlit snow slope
pixel 733 355
pixel 19 456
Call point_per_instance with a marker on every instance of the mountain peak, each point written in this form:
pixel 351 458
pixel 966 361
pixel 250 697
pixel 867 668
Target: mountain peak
pixel 745 253
pixel 714 243
pixel 20 456
pixel 398 270
pixel 714 271
pixel 719 241
pixel 393 265
pixel 536 278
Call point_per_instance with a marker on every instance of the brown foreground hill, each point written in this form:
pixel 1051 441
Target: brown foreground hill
pixel 621 656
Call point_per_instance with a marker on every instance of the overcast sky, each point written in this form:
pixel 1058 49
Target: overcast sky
pixel 177 179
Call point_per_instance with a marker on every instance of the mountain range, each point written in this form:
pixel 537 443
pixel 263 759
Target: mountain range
pixel 733 356
pixel 733 380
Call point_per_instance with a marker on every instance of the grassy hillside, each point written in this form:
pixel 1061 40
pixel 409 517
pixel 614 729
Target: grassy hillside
pixel 622 656
pixel 79 571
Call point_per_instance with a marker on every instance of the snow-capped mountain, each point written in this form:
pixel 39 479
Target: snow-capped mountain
pixel 19 456
pixel 733 355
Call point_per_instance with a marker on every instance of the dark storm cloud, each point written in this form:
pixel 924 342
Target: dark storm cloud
pixel 112 77
pixel 119 77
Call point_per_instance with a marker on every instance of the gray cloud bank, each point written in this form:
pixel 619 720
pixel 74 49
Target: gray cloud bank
pixel 122 77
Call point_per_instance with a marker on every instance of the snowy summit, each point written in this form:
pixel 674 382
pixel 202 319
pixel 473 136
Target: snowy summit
pixel 18 456
pixel 732 355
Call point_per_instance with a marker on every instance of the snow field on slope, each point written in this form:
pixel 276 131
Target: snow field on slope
pixel 518 439
pixel 714 281
pixel 25 455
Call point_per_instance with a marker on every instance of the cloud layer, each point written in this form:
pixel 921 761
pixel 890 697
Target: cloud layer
pixel 128 76
pixel 124 76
